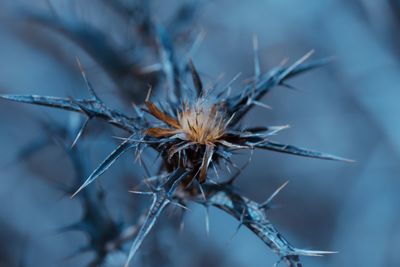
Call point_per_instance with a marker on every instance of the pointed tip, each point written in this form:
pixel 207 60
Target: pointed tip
pixel 207 222
pixel 314 253
pixel 267 203
pixel 85 78
pixel 196 78
pixel 255 41
pixel 275 129
pixel 140 192
pixel 78 62
pixel 197 42
pixel 337 158
pixel 309 53
pixel 283 186
pixel 149 93
pixel 294 150
pixel 257 67
pixel 296 64
pixel 260 104
pixel 79 190
pixel 304 58
pixel 80 132
pixel 10 97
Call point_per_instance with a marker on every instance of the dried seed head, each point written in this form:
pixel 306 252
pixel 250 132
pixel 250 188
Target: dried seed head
pixel 202 122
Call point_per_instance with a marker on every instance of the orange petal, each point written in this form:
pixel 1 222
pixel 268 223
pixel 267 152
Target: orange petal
pixel 160 132
pixel 153 109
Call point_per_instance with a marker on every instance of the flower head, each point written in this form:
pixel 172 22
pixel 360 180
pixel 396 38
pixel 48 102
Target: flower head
pixel 203 132
pixel 202 123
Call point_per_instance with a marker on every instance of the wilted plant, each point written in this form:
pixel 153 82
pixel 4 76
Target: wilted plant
pixel 193 130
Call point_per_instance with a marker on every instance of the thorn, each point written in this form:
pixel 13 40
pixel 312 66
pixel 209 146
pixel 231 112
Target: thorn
pixel 88 84
pixel 140 192
pixel 296 64
pixel 257 68
pixel 260 104
pixel 229 170
pixel 197 42
pixel 291 87
pixel 151 68
pixel 241 221
pixel 207 222
pixel 182 224
pixel 231 180
pixel 149 93
pixel 150 186
pixel 79 189
pixel 203 195
pixel 138 111
pixel 143 163
pixel 105 165
pixel 227 89
pixel 276 129
pixel 80 132
pixel 196 78
pixel 266 204
pixel 283 62
pixel 216 172
pixel 314 253
pixel 156 177
pixel 180 205
pixel 290 149
pixel 230 119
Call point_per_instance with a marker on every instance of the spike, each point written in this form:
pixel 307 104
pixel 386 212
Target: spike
pixel 149 93
pixel 160 200
pixel 207 221
pixel 295 65
pixel 80 132
pixel 121 149
pixel 257 68
pixel 196 78
pixel 289 149
pixel 88 84
pixel 313 253
pixel 141 192
pixel 266 204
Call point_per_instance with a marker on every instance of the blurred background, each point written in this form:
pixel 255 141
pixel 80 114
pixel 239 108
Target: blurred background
pixel 348 108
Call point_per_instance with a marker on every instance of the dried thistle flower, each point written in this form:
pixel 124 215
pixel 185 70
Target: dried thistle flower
pixel 194 131
pixel 203 129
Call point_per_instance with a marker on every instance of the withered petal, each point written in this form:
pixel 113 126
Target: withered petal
pixel 156 112
pixel 160 132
